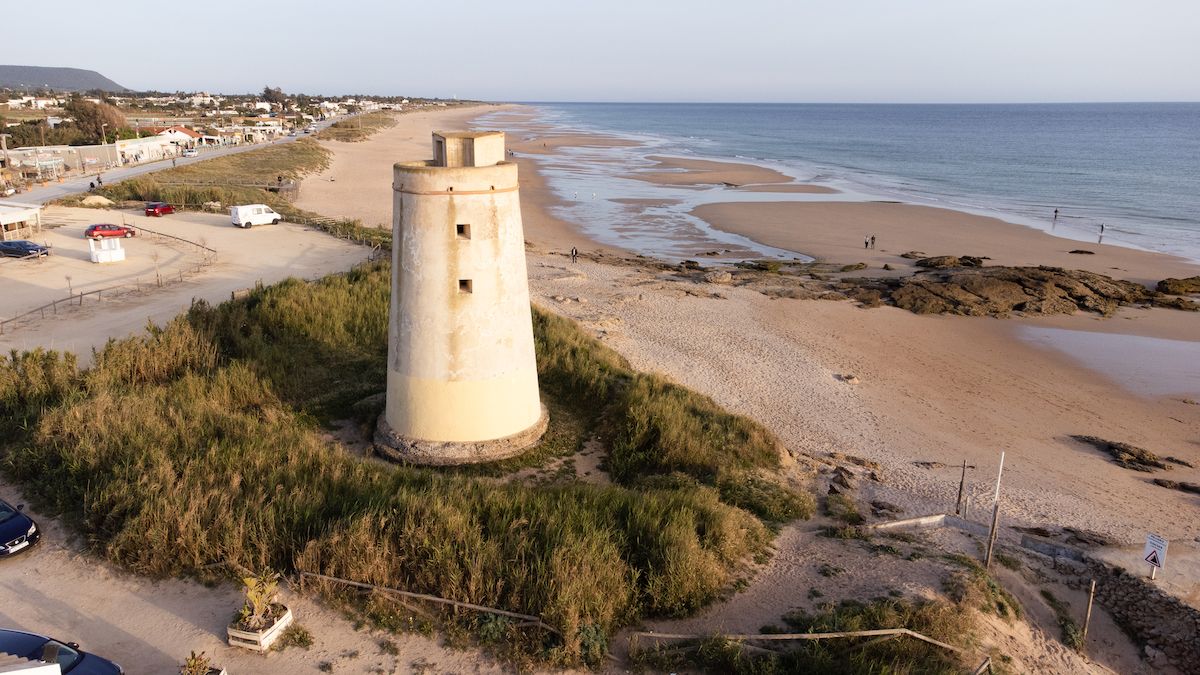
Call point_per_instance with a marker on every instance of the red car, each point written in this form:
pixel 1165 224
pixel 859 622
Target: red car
pixel 99 231
pixel 159 209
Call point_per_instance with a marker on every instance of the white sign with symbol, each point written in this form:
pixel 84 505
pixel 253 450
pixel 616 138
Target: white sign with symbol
pixel 1155 552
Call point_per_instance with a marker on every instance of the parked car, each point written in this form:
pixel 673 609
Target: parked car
pixel 70 658
pixel 191 152
pixel 253 214
pixel 22 248
pixel 102 230
pixel 159 209
pixel 17 530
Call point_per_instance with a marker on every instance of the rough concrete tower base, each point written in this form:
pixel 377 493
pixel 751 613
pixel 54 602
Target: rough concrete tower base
pixel 462 379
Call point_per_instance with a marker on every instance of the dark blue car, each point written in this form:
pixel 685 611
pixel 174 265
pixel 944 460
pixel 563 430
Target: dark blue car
pixel 22 248
pixel 70 658
pixel 17 530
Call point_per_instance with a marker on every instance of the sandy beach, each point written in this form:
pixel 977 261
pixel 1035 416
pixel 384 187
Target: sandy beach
pixel 934 388
pixel 934 391
pixel 835 231
pixel 931 393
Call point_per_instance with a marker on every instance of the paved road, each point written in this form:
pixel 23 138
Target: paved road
pixel 80 184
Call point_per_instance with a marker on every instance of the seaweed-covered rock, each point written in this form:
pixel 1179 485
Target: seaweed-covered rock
pixel 1128 456
pixel 938 262
pixel 1000 291
pixel 1179 286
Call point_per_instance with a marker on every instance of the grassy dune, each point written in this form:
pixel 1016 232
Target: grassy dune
pixel 200 443
pixel 222 179
pixel 357 128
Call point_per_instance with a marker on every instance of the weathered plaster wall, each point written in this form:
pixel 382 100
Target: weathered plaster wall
pixel 461 362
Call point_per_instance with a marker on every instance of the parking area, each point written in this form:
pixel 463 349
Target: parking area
pixel 158 278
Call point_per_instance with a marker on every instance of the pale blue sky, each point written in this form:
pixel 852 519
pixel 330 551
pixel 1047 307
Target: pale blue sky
pixel 625 50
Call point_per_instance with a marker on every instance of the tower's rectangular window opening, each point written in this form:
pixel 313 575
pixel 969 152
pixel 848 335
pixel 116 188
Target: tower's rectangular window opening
pixel 464 286
pixel 463 231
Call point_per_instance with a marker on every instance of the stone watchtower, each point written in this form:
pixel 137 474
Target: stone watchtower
pixel 462 380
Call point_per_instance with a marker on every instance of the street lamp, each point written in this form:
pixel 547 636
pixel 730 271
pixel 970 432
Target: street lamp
pixel 104 140
pixel 4 144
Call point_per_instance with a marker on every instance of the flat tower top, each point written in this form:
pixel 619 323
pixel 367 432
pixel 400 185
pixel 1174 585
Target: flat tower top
pixel 468 148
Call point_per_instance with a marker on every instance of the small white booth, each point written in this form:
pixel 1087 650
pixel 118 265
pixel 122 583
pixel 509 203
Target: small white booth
pixel 106 250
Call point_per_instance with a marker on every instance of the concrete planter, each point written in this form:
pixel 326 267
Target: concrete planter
pixel 260 641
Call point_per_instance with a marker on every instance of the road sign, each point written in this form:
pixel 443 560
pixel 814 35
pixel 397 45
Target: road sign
pixel 1155 552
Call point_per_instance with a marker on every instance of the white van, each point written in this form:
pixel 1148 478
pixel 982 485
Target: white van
pixel 253 214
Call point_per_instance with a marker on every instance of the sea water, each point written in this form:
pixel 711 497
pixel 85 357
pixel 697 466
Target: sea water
pixel 1132 167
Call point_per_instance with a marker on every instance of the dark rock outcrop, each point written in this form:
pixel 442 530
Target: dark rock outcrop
pixel 1128 456
pixel 1000 291
pixel 1177 485
pixel 941 262
pixel 1179 286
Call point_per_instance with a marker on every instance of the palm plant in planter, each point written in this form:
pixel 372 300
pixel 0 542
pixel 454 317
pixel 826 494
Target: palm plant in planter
pixel 261 620
pixel 199 664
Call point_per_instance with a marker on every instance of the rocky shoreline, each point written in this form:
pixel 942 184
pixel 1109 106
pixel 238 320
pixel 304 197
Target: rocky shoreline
pixel 957 285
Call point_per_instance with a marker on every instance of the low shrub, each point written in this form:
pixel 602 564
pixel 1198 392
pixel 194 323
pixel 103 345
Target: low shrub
pixel 198 444
pixel 936 619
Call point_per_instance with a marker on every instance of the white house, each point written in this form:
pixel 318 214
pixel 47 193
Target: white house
pixel 181 136
pixel 19 220
pixel 19 665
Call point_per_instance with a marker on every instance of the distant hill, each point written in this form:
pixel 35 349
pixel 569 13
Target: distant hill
pixel 59 79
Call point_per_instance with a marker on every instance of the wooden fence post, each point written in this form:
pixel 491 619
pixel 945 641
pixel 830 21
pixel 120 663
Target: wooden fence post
pixel 992 534
pixel 961 483
pixel 1087 618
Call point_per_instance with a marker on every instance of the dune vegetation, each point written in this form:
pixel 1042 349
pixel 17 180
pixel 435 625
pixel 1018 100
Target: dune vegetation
pixel 358 127
pixel 203 442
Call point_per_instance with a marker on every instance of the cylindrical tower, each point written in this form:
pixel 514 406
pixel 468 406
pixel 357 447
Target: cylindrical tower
pixel 462 380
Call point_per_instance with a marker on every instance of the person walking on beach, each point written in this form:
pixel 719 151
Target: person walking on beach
pixel 872 241
pixel 866 242
pixel 574 254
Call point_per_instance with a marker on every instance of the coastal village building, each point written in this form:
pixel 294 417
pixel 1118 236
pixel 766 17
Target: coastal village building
pixel 19 220
pixel 181 136
pixel 462 380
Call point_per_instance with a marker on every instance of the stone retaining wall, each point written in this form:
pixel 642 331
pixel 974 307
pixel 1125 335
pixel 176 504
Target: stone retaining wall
pixel 1166 626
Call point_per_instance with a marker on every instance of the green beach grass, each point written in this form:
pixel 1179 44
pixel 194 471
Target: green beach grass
pixel 201 442
pixel 357 128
